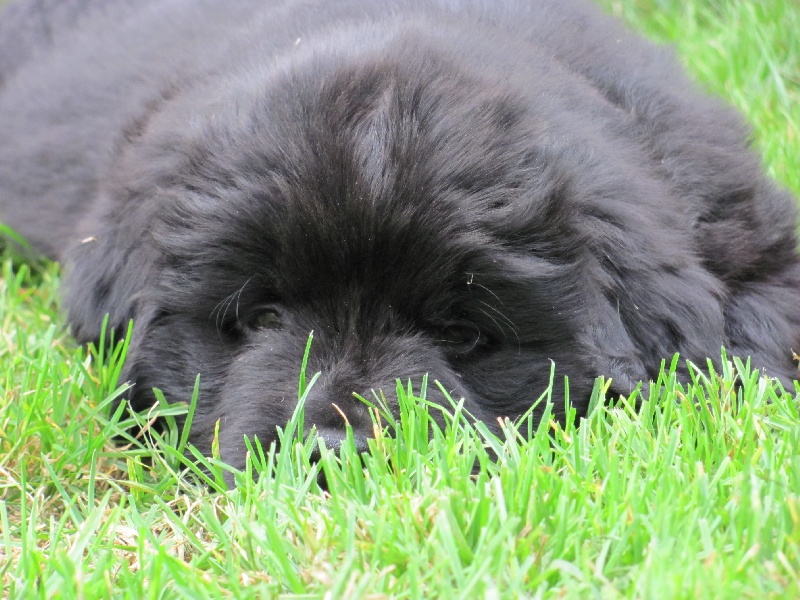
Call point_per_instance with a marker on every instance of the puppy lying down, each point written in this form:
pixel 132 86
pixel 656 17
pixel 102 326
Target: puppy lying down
pixel 468 189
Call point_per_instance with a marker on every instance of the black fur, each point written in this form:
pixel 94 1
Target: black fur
pixel 462 188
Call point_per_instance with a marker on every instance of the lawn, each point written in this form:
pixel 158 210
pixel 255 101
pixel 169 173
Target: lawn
pixel 697 495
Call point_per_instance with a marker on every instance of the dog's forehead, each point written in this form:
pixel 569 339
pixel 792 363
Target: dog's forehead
pixel 342 236
pixel 380 173
pixel 384 173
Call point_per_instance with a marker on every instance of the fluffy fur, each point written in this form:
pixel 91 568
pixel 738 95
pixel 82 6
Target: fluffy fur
pixel 469 189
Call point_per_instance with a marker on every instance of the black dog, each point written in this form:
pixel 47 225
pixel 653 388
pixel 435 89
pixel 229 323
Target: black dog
pixel 468 189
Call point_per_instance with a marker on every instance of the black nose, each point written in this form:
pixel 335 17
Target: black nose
pixel 334 438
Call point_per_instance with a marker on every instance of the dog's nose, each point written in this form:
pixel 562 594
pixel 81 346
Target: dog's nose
pixel 334 438
pixel 332 405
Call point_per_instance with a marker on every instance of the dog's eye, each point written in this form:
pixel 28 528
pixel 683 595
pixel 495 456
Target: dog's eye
pixel 264 318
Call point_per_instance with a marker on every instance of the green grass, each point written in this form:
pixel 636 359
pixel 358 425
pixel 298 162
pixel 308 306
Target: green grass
pixel 696 496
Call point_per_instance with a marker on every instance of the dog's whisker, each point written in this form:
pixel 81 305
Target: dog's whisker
pixel 502 316
pixel 496 297
pixel 220 311
pixel 239 294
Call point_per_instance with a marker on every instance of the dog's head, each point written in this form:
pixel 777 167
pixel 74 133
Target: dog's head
pixel 419 219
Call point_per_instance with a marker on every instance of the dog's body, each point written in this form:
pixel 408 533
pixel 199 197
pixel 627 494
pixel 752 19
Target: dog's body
pixel 461 188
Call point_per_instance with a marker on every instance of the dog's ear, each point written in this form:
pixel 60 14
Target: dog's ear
pixel 613 352
pixel 109 273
